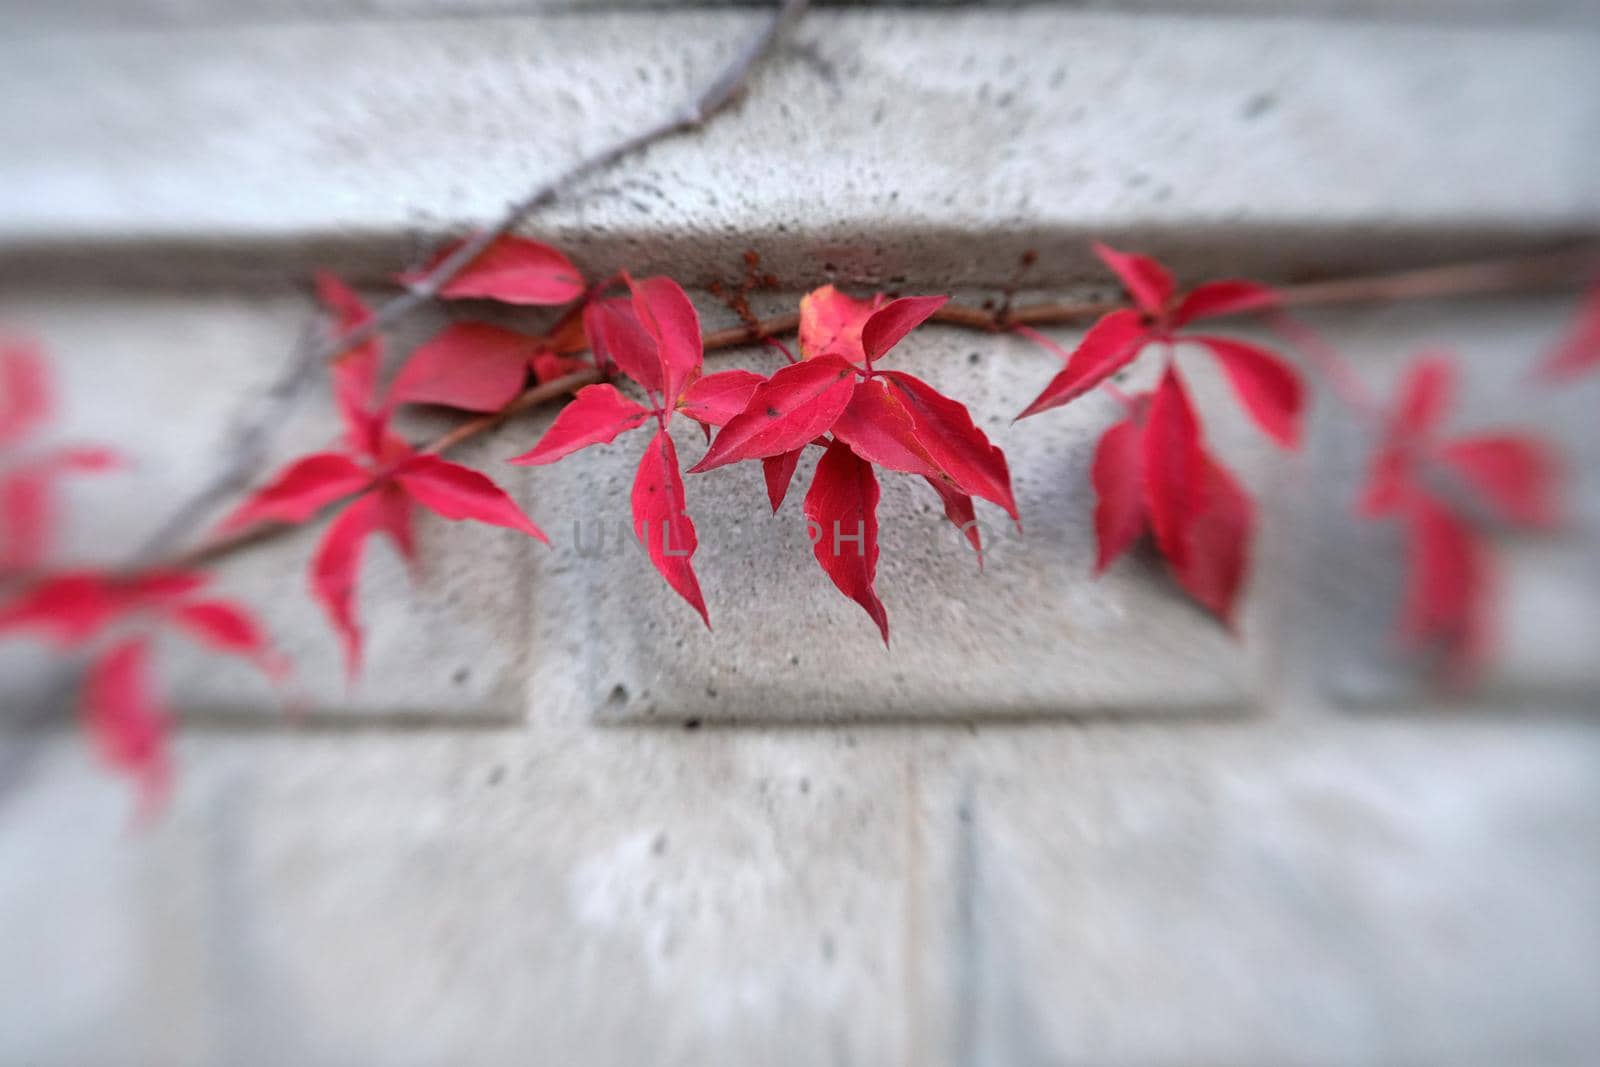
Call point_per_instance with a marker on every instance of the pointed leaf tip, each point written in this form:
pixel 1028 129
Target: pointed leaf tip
pixel 841 511
pixel 661 519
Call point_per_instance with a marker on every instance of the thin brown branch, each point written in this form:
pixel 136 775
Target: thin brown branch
pixel 1503 275
pixel 314 349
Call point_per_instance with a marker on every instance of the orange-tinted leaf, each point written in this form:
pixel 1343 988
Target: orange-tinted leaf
pixel 661 519
pixel 945 430
pixel 126 720
pixel 1145 280
pixel 1226 297
pixel 619 339
pixel 879 429
pixel 301 490
pixel 890 323
pixel 597 414
pixel 717 398
pixel 669 318
pixel 1516 475
pixel 1118 479
pixel 468 365
pixel 778 471
pixel 1267 386
pixel 459 493
pixel 1174 467
pixel 512 270
pixel 831 323
pixel 1110 345
pixel 842 518
pixel 796 404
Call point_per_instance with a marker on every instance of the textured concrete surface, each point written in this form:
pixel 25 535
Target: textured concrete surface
pixel 1270 146
pixel 482 855
pixel 1306 892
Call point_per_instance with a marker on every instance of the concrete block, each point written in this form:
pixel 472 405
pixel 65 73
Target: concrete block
pixel 878 148
pixel 467 896
pixel 1296 894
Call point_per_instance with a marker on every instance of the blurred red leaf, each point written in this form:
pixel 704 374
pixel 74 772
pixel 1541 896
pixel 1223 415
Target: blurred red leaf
pixel 512 270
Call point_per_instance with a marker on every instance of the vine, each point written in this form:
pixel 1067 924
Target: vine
pixel 630 352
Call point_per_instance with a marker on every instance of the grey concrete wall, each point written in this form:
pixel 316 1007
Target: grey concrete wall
pixel 1060 820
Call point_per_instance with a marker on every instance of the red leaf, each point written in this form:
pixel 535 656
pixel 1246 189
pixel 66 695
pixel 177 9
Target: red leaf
pixel 670 319
pixel 1516 475
pixel 355 372
pixel 512 270
pixel 597 414
pixel 879 429
pixel 953 441
pixel 67 609
pixel 336 566
pixel 1227 297
pixel 1447 585
pixel 1145 280
pixel 796 404
pixel 842 517
pixel 393 517
pixel 1578 352
pixel 229 627
pixel 779 472
pixel 959 510
pixel 28 520
pixel 717 398
pixel 1118 478
pixel 663 524
pixel 1110 345
pixel 620 339
pixel 548 365
pixel 468 365
pixel 831 323
pixel 1426 395
pixel 126 720
pixel 1217 538
pixel 1174 467
pixel 25 400
pixel 895 319
pixel 1267 386
pixel 301 490
pixel 459 493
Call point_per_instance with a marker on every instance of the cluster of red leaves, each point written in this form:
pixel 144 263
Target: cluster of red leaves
pixel 833 398
pixel 653 338
pixel 111 618
pixel 1438 487
pixel 115 619
pixel 380 474
pixel 1151 469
